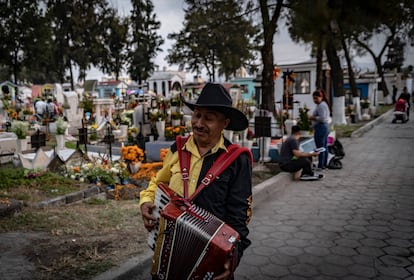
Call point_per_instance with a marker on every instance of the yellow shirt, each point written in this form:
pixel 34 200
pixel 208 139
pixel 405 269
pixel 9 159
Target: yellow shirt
pixel 170 173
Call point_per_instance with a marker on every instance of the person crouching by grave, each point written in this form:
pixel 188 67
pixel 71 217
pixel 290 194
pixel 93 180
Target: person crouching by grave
pixel 188 170
pixel 292 159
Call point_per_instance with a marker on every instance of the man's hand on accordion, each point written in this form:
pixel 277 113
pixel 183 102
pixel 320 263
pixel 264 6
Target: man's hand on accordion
pixel 149 219
pixel 227 272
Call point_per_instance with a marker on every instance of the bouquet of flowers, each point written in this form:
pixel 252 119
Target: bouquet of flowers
pixel 365 103
pixel 20 128
pixel 172 131
pixel 132 154
pixel 177 115
pixel 61 126
pixel 157 115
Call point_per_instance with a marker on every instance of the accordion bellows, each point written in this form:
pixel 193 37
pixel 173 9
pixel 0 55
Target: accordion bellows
pixel 191 243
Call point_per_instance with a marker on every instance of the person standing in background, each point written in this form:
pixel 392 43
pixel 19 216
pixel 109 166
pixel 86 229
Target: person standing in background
pixel 320 122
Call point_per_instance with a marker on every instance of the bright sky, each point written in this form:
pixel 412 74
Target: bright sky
pixel 171 15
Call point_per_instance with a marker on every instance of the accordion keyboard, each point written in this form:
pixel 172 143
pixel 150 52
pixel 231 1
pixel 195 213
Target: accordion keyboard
pixel 161 199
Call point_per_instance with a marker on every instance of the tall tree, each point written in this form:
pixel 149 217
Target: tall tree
pixel 17 33
pixel 216 37
pixel 145 42
pixel 392 20
pixel 89 21
pixel 115 53
pixel 77 30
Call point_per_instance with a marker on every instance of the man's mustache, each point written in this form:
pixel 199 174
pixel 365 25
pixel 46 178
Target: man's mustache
pixel 200 129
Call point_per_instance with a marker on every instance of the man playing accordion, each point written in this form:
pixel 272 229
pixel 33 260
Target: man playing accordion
pixel 228 197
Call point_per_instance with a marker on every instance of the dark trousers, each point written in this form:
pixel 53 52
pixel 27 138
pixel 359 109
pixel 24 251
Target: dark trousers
pixel 321 132
pixel 297 164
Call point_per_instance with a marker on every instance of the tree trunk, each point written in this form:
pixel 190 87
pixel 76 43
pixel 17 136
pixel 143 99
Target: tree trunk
pixel 336 70
pixel 381 75
pixel 351 76
pixel 268 86
pixel 269 30
pixel 338 105
pixel 319 72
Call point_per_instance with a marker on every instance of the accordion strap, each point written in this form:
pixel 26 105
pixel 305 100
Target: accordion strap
pixel 220 164
pixel 185 159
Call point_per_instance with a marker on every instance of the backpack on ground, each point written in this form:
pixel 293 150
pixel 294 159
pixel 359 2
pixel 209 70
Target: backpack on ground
pixel 335 154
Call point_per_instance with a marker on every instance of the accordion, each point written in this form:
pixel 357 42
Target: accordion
pixel 190 243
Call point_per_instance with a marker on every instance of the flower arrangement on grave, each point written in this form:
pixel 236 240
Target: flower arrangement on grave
pixel 304 123
pixel 132 133
pixel 349 110
pixel 86 103
pixel 12 114
pixel 20 128
pixel 157 115
pixel 61 126
pixel 126 117
pixel 132 154
pixel 365 103
pixel 93 135
pixel 177 115
pixel 171 132
pixel 98 172
pixel 175 100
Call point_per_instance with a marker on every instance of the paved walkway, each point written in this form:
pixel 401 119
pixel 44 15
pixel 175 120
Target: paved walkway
pixel 357 223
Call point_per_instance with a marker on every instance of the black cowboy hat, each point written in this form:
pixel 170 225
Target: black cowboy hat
pixel 217 98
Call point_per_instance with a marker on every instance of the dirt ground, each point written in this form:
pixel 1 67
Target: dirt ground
pixel 82 240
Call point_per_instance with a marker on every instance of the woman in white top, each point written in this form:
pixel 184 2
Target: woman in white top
pixel 320 123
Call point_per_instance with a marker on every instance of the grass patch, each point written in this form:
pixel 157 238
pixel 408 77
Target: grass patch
pixel 346 129
pixel 70 145
pixel 75 219
pixel 91 269
pixel 34 185
pixel 381 109
pixel 96 201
